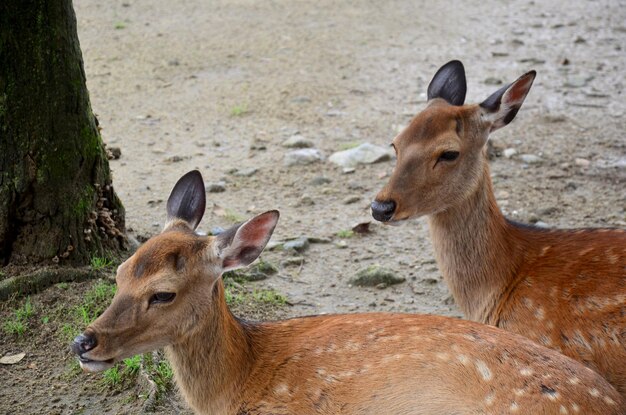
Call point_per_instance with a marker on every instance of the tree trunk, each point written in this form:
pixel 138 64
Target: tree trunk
pixel 57 203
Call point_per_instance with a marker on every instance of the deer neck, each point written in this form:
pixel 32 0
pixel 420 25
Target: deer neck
pixel 211 365
pixel 474 251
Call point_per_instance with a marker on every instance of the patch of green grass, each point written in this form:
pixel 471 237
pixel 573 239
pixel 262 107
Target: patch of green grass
pixel 270 296
pixel 45 319
pixel 239 110
pixel 25 311
pixel 112 378
pixel 345 233
pixel 95 301
pixel 163 375
pixel 15 328
pixel 17 325
pixel 160 372
pixel 121 375
pixel 63 285
pixel 119 25
pixel 266 267
pixel 132 365
pixel 99 263
pixel 237 296
pixel 234 297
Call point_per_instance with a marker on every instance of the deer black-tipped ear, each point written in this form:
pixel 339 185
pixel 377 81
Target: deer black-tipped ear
pixel 187 200
pixel 502 106
pixel 242 244
pixel 449 83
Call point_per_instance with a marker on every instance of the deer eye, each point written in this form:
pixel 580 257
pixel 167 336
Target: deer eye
pixel 162 298
pixel 448 156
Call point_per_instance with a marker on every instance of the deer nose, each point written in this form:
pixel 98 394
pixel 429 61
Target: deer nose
pixel 83 343
pixel 383 211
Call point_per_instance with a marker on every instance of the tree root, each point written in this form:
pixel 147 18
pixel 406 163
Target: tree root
pixel 153 390
pixel 41 279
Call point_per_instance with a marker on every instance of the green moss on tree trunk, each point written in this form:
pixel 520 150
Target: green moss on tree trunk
pixel 57 202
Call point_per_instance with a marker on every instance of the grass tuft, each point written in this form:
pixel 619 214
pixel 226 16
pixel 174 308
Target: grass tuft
pixel 99 263
pixel 239 110
pixel 17 325
pixel 345 233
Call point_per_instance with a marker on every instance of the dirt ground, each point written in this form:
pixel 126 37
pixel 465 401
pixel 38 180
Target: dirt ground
pixel 218 86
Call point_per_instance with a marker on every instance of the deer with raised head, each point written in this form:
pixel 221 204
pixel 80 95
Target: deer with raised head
pixel 564 289
pixel 170 294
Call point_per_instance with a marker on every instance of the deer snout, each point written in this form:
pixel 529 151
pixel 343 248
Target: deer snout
pixel 383 211
pixel 83 343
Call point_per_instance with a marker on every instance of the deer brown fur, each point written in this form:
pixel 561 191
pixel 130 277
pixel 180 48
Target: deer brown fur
pixel 170 294
pixel 564 289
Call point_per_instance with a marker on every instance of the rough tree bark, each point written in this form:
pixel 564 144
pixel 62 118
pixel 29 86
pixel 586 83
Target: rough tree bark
pixel 57 203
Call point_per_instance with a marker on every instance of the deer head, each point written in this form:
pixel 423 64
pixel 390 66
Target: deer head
pixel 165 289
pixel 440 155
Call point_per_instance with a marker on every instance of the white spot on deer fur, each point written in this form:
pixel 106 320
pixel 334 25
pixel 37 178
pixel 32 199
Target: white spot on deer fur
pixel 575 408
pixel 585 251
pixel 463 359
pixel 352 346
pixel 483 369
pixel 443 356
pixel 563 410
pixel 526 371
pixel 553 396
pixel 545 250
pixel 490 398
pixel 594 392
pixel 611 256
pixel 539 313
pixel 281 389
pixel 574 380
pixel 393 338
pixel 527 302
pixel 608 400
pixel 514 407
pixel 391 358
pixel 519 392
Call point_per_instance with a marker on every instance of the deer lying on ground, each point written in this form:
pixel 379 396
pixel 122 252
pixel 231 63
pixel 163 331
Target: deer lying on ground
pixel 565 289
pixel 170 295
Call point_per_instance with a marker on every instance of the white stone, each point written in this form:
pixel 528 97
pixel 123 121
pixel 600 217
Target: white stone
pixel 530 159
pixel 509 152
pixel 366 153
pixel 302 157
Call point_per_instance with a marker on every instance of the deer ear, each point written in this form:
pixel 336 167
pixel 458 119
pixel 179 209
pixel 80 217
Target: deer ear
pixel 449 83
pixel 502 106
pixel 187 200
pixel 242 244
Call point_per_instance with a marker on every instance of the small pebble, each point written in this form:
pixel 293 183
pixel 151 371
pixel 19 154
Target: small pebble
pixel 509 152
pixel 530 159
pixel 351 199
pixel 582 162
pixel 218 187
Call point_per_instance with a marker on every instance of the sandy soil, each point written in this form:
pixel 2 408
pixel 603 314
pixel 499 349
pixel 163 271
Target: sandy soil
pixel 220 85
